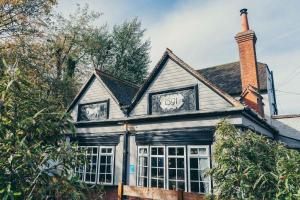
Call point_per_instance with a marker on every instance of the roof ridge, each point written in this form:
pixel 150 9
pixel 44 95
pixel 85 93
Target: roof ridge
pixel 169 53
pixel 116 78
pixel 219 65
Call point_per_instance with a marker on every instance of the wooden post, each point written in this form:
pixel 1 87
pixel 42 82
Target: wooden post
pixel 180 194
pixel 120 191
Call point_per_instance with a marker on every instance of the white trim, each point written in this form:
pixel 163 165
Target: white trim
pixel 138 167
pixel 85 165
pixel 111 164
pixel 157 156
pixel 207 155
pixel 185 167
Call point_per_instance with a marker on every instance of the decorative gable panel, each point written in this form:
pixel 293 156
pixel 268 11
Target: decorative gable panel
pixel 173 76
pixel 96 92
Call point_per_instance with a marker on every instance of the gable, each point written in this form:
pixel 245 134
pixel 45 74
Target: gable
pixel 96 91
pixel 172 76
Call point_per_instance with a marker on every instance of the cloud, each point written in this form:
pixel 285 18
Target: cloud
pixel 202 33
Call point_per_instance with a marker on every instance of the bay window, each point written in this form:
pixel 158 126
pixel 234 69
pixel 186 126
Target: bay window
pixel 174 167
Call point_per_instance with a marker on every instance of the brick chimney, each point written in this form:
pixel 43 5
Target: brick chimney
pixel 249 73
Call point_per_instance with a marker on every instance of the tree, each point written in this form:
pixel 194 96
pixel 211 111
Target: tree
pixel 250 166
pixel 18 17
pixel 122 53
pixel 35 160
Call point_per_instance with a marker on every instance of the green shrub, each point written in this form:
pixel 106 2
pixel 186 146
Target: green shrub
pixel 251 166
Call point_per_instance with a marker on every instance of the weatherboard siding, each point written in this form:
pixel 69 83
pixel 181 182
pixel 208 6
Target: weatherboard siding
pixel 97 92
pixel 174 76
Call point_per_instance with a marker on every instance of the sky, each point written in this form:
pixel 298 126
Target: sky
pixel 201 32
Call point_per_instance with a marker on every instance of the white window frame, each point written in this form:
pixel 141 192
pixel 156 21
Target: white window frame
pixel 112 164
pixel 150 164
pixel 83 165
pixel 175 156
pixel 207 155
pixel 138 166
pixel 86 154
pixel 99 148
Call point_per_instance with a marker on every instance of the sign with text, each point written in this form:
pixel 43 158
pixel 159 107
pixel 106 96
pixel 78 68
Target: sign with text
pixel 173 101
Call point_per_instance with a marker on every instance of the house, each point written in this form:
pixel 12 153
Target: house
pixel 160 134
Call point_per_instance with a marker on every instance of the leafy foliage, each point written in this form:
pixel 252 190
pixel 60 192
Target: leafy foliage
pixel 19 17
pixel 35 160
pixel 123 52
pixel 251 166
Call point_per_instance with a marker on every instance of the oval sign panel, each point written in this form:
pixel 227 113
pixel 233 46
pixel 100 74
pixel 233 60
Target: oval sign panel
pixel 171 102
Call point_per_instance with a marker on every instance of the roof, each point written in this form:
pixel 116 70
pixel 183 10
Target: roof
pixel 124 91
pixel 286 116
pixel 170 55
pixel 228 77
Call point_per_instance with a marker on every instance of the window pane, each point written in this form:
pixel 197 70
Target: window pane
pixel 154 162
pixel 160 162
pixel 194 163
pixel 172 174
pixel 180 151
pixel 108 178
pixel 161 151
pixel 194 175
pixel 202 151
pixel 145 171
pixel 108 160
pixel 204 187
pixel 180 174
pixel 153 172
pixel 172 162
pixel 180 162
pixel 153 183
pixel 194 151
pixel 160 183
pixel 160 173
pixel 172 151
pixel 194 186
pixel 204 163
pixel 109 150
pixel 103 159
pixel 181 185
pixel 172 185
pixel 154 151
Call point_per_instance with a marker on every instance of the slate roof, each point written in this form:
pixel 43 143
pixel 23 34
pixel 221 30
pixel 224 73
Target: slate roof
pixel 124 91
pixel 228 77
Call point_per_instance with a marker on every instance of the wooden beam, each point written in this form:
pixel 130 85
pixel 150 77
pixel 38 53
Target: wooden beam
pixel 120 191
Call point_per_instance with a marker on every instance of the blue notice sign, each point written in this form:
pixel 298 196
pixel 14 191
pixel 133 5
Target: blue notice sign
pixel 131 169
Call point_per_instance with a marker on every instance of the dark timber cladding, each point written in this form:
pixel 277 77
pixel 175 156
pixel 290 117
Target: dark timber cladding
pixel 186 136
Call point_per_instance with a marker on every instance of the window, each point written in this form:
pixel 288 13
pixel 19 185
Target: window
pixel 198 163
pixel 174 100
pixel 106 165
pixel 93 111
pixel 157 174
pixel 143 166
pixel 176 168
pixel 91 164
pixel 98 167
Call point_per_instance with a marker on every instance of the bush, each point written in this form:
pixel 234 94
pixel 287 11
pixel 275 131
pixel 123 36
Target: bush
pixel 251 166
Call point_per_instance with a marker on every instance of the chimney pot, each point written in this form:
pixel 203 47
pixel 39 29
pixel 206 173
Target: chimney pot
pixel 245 25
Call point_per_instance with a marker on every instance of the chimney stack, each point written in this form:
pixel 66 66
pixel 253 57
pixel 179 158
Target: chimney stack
pixel 249 73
